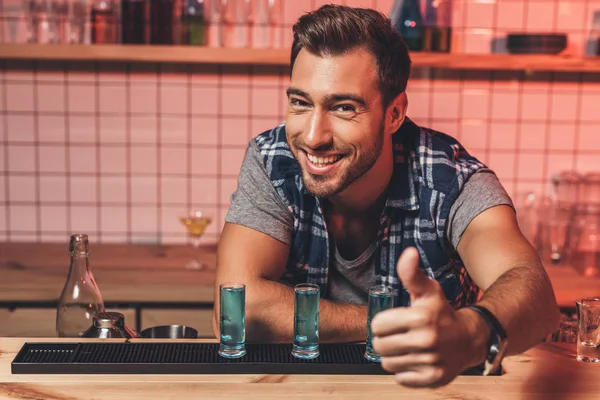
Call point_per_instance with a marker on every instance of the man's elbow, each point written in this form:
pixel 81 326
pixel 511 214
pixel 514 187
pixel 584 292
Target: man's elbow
pixel 554 315
pixel 552 309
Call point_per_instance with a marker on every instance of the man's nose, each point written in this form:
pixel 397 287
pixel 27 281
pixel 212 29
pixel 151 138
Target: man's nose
pixel 318 132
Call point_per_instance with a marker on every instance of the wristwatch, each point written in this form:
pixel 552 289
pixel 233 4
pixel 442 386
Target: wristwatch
pixel 497 343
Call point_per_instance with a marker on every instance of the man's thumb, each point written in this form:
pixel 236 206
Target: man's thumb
pixel 414 280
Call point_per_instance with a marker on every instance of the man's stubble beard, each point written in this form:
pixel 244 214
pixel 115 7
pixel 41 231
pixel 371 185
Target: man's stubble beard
pixel 320 186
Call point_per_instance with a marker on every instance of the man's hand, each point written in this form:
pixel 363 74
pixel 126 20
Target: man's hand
pixel 427 344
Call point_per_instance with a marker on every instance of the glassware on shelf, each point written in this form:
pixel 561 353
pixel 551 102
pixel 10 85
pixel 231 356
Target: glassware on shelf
pixel 38 21
pixel 104 19
pixel 213 11
pixel 59 21
pixel 559 213
pixel 236 17
pixel 80 22
pixel 196 224
pixel 162 18
pixel 585 242
pixel 527 204
pixel 134 17
pixel 193 22
pixel 410 24
pixel 14 26
pixel 264 23
pixel 437 35
pixel 80 299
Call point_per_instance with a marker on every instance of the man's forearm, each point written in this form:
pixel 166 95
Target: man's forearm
pixel 523 301
pixel 270 316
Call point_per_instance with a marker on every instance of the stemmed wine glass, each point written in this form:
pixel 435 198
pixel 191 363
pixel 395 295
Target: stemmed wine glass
pixel 195 223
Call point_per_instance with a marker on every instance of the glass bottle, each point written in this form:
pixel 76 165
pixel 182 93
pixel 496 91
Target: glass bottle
pixel 214 17
pixel 237 17
pixel 410 24
pixel 134 21
pixel 264 23
pixel 193 23
pixel 39 21
pixel 79 22
pixel 104 21
pixel 14 21
pixel 161 21
pixel 80 299
pixel 59 21
pixel 438 26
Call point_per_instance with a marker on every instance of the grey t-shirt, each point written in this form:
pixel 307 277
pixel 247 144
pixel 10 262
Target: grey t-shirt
pixel 255 204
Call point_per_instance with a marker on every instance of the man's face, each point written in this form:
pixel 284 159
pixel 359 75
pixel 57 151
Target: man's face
pixel 335 119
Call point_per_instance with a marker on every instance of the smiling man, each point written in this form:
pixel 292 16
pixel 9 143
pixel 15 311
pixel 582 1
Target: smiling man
pixel 349 193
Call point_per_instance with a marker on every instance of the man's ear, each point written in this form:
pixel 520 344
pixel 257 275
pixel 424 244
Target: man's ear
pixel 396 112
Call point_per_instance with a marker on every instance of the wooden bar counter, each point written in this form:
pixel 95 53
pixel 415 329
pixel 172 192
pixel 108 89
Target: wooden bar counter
pixel 139 273
pixel 548 371
pixel 149 284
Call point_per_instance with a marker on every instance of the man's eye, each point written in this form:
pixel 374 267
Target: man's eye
pixel 298 103
pixel 345 108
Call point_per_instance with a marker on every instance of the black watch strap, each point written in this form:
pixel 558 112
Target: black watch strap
pixel 492 321
pixel 497 342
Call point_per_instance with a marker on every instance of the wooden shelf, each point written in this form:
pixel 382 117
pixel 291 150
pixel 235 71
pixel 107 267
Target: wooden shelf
pixel 207 55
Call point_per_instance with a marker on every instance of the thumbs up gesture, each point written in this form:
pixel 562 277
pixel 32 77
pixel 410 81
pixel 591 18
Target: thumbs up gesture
pixel 427 344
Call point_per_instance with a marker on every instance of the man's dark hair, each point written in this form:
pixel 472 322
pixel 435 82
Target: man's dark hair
pixel 335 30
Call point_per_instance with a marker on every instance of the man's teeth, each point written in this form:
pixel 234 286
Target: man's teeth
pixel 323 160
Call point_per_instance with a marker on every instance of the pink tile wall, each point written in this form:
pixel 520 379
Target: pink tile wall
pixel 120 151
pixel 481 26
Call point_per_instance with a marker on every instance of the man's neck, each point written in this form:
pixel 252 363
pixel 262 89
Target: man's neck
pixel 370 190
pixel 365 196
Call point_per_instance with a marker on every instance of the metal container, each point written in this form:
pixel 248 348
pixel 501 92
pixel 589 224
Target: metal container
pixel 170 332
pixel 109 325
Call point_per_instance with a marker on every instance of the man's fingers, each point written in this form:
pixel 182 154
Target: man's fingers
pixel 416 341
pixel 414 280
pixel 409 362
pixel 398 320
pixel 422 377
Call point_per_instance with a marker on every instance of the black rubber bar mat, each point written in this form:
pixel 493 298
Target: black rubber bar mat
pixel 189 358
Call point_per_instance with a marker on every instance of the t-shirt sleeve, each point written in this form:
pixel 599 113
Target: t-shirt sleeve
pixel 482 191
pixel 255 202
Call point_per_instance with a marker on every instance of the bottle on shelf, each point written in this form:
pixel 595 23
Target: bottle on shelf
pixel 264 23
pixel 193 23
pixel 438 26
pixel 410 24
pixel 59 21
pixel 80 299
pixel 105 21
pixel 134 17
pixel 214 17
pixel 237 18
pixel 38 21
pixel 14 26
pixel 79 22
pixel 593 41
pixel 162 17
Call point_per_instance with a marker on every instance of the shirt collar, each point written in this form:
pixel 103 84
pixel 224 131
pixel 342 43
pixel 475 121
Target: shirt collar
pixel 403 193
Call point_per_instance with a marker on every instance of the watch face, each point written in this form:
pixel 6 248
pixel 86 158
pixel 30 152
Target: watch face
pixel 496 355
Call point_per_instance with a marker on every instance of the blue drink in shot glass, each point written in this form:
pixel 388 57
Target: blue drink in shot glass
pixel 233 320
pixel 306 321
pixel 380 298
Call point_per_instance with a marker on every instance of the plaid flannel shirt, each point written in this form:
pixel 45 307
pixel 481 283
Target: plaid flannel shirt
pixel 429 172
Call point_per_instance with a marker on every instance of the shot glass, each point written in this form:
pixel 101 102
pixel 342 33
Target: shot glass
pixel 306 321
pixel 233 320
pixel 380 298
pixel 588 337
